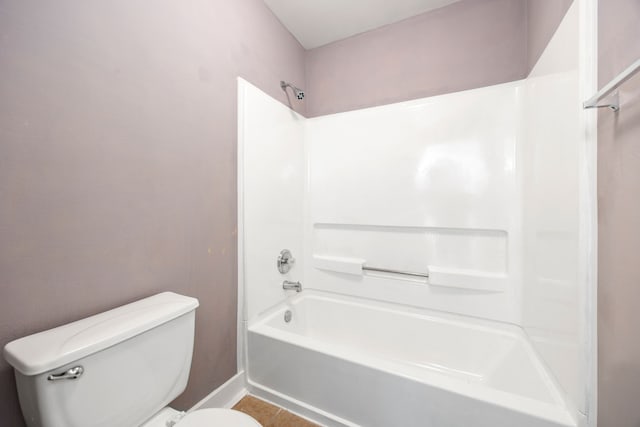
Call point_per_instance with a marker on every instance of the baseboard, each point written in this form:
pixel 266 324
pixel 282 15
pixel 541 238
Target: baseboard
pixel 225 396
pixel 296 407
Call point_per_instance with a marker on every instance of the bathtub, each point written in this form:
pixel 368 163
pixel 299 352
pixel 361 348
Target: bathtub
pixel 367 363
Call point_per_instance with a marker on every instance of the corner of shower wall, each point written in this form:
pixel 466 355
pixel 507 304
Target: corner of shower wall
pixel 556 294
pixel 448 202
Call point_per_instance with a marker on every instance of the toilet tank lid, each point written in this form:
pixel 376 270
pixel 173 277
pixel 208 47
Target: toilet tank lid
pixel 52 349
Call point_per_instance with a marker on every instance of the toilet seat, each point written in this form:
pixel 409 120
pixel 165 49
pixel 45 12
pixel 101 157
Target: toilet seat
pixel 217 418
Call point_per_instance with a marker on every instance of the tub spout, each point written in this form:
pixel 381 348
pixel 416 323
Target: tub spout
pixel 288 285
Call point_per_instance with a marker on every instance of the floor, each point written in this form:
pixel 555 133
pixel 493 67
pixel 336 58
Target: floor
pixel 270 415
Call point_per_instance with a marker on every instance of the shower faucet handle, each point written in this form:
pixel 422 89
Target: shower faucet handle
pixel 285 261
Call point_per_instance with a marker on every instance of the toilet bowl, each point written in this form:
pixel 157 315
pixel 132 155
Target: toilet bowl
pixel 217 417
pixel 201 418
pixel 120 368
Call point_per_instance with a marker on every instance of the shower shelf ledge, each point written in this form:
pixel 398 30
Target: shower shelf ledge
pixel 451 278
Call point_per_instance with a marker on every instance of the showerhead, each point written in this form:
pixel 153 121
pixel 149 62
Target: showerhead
pixel 299 93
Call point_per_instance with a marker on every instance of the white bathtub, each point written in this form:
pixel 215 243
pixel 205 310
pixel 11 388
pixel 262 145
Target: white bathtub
pixel 367 363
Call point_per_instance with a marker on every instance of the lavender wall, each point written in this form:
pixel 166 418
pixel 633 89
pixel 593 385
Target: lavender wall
pixel 543 18
pixel 619 221
pixel 118 161
pixel 465 45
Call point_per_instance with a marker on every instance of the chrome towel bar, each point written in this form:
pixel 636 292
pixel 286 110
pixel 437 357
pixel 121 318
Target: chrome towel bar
pixel 388 270
pixel 610 87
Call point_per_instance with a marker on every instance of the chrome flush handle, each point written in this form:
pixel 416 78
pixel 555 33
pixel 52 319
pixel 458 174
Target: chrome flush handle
pixel 70 374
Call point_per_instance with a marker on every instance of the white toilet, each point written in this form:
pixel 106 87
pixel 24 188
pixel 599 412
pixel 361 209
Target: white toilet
pixel 120 368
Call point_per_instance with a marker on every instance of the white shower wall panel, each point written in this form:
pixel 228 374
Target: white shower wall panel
pixel 271 180
pixel 430 185
pixel 554 310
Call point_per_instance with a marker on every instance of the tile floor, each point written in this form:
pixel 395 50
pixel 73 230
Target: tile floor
pixel 270 415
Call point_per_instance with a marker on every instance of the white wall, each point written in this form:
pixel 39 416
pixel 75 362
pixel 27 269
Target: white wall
pixel 554 310
pixel 426 185
pixel 271 186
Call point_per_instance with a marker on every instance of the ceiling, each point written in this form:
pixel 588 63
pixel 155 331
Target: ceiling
pixel 318 22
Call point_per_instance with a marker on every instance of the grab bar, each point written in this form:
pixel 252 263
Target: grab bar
pixel 610 87
pixel 388 270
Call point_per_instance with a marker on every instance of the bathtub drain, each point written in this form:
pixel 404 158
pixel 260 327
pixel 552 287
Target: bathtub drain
pixel 287 316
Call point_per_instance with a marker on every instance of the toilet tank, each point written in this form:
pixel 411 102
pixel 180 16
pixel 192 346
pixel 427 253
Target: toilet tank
pixel 133 360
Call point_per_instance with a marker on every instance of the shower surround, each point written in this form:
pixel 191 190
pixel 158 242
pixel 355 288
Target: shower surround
pixel 486 192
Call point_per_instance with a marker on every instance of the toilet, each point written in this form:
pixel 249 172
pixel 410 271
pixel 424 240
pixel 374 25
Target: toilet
pixel 120 368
